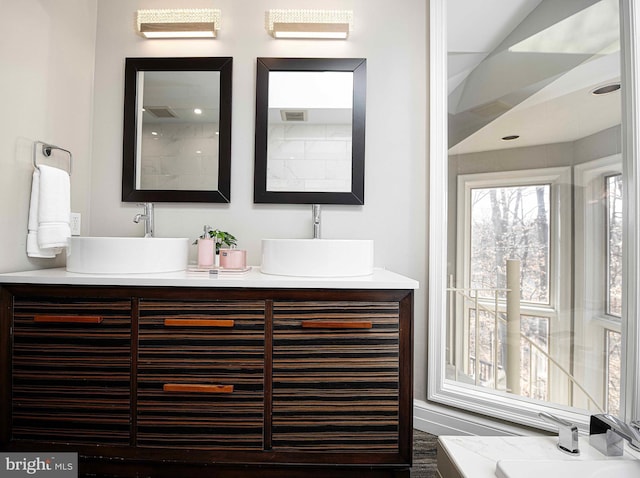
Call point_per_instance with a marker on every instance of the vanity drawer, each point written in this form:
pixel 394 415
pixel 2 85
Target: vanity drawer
pixel 71 370
pixel 200 377
pixel 336 376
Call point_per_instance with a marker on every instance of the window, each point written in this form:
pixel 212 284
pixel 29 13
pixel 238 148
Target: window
pixel 613 188
pixel 598 284
pixel 613 347
pixel 569 333
pixel 587 319
pixel 613 365
pixel 510 217
pixel 511 223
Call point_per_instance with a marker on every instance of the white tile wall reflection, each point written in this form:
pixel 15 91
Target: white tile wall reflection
pixel 309 158
pixel 180 156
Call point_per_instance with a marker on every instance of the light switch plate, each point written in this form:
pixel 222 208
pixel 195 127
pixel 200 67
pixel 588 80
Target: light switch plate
pixel 76 219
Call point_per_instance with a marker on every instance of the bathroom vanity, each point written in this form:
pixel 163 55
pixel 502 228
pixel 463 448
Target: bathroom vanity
pixel 186 374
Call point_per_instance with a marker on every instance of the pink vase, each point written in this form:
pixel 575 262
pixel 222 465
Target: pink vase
pixel 206 253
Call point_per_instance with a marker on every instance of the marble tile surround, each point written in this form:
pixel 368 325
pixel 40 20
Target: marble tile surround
pixel 182 156
pixel 309 157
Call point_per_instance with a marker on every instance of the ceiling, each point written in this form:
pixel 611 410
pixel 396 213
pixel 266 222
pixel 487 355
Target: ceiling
pixel 529 70
pixel 181 93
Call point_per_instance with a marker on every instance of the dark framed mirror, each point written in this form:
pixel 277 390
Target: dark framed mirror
pixel 177 130
pixel 310 130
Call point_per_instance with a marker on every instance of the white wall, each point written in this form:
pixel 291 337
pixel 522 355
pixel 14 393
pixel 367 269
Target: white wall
pixel 47 60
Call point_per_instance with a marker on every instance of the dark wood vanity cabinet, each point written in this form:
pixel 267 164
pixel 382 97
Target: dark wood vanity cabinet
pixel 200 374
pixel 149 381
pixel 336 376
pixel 71 371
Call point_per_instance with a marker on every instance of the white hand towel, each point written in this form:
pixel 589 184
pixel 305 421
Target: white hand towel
pixel 49 212
pixel 33 249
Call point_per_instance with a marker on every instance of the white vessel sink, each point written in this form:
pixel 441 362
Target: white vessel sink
pixel 617 468
pixel 317 257
pixel 127 255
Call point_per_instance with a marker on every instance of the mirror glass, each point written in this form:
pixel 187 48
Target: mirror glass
pixel 310 131
pixel 178 144
pixel 177 129
pixel 535 191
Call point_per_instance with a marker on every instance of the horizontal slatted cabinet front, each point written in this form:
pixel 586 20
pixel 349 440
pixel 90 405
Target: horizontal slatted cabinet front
pixel 336 376
pixel 71 370
pixel 201 374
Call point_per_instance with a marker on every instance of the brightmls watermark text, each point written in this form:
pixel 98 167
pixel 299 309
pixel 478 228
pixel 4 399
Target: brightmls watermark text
pixel 38 465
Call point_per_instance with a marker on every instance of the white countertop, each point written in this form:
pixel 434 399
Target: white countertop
pixel 380 279
pixel 477 456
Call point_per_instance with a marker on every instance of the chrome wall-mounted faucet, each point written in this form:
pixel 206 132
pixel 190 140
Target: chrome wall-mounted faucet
pixel 147 216
pixel 315 210
pixel 567 433
pixel 606 433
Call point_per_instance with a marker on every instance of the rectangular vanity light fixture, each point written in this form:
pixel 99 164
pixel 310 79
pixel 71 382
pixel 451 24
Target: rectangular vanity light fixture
pixel 317 24
pixel 179 23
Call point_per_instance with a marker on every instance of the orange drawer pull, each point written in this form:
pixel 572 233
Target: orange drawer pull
pixel 332 324
pixel 198 323
pixel 198 388
pixel 69 319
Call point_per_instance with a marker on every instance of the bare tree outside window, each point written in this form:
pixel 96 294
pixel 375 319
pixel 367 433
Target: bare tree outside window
pixel 613 189
pixel 511 223
pixel 534 374
pixel 614 244
pixel 613 348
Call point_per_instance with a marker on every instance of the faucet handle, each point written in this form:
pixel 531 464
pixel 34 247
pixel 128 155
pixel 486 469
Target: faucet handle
pixel 567 433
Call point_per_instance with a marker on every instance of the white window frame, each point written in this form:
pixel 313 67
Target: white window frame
pixel 440 390
pixel 557 311
pixel 591 319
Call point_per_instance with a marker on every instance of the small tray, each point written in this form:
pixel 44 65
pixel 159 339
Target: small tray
pixel 218 269
pixel 229 270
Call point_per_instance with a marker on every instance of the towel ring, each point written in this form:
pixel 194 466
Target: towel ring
pixel 47 151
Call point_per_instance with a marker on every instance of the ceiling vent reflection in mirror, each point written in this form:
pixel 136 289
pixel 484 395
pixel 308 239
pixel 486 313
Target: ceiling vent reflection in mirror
pixel 315 24
pixel 293 115
pixel 179 23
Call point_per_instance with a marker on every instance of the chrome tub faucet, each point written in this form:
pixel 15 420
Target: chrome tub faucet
pixel 606 433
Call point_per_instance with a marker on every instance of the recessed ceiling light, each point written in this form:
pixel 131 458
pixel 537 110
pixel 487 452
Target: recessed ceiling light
pixel 603 90
pixel 197 111
pixel 511 137
pixel 154 133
